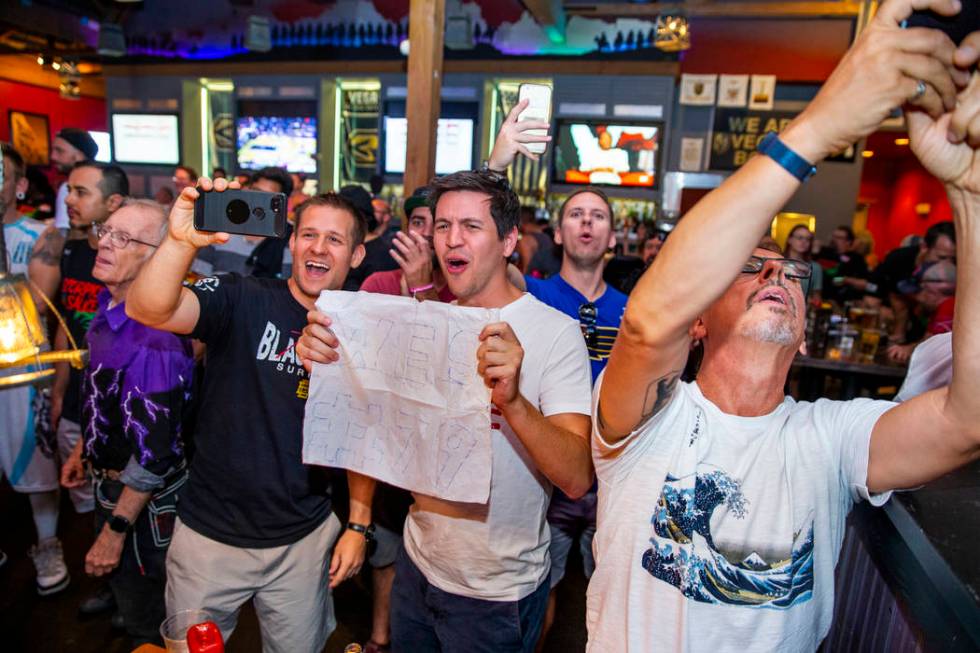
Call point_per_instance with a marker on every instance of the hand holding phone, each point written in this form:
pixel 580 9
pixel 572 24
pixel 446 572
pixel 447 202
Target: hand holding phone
pixel 517 137
pixel 181 218
pixel 246 212
pixel 538 109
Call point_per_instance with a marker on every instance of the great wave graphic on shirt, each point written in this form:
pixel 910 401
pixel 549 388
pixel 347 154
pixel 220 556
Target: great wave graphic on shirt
pixel 683 552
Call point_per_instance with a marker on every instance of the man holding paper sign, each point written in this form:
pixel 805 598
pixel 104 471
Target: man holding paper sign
pixel 474 576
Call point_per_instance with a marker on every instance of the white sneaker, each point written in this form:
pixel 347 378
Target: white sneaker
pixel 52 574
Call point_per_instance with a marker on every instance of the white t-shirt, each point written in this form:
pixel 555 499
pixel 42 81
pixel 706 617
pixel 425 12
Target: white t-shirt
pixel 60 208
pixel 20 237
pixel 720 533
pixel 930 367
pixel 499 551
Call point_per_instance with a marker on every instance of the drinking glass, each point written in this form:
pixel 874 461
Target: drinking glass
pixel 174 628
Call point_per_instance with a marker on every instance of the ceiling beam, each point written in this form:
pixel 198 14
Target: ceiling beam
pixel 426 19
pixel 704 8
pixel 550 15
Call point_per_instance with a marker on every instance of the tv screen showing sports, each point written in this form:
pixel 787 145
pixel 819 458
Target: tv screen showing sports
pixel 454 145
pixel 607 153
pixel 104 141
pixel 281 141
pixel 150 138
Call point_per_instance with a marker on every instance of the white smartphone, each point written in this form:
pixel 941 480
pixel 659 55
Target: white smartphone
pixel 538 108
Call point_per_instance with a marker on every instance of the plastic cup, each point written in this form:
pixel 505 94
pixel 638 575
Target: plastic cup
pixel 174 628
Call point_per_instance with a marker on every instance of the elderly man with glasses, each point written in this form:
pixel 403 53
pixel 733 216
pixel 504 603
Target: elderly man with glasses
pixel 134 393
pixel 722 502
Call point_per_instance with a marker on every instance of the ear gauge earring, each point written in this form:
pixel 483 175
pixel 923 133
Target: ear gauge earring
pixel 21 196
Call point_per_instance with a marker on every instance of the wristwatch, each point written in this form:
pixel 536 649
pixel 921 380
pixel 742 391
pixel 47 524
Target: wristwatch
pixel 367 531
pixel 499 177
pixel 119 524
pixel 485 167
pixel 790 161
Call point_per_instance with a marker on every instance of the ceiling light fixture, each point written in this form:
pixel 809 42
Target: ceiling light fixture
pixel 673 34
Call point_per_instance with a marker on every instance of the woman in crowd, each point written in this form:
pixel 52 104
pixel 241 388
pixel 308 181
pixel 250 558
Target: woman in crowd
pixel 799 246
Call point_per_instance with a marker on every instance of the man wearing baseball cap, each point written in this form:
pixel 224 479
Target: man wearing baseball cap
pixel 70 146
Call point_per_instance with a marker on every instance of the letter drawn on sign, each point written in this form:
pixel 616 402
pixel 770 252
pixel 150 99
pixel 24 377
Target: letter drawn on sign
pixel 404 404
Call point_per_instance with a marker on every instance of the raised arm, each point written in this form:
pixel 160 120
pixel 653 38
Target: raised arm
pixel 157 297
pixel 938 431
pixel 512 139
pixel 711 244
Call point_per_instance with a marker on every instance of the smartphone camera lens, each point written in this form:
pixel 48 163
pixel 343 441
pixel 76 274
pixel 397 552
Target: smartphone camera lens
pixel 259 212
pixel 237 211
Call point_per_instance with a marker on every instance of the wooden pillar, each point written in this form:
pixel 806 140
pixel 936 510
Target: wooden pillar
pixel 426 21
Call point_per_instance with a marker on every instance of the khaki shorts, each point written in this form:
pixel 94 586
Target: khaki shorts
pixel 289 585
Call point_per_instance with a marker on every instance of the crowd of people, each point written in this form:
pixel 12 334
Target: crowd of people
pixel 708 508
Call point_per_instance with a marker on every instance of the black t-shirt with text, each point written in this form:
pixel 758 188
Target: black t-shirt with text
pixel 78 297
pixel 248 486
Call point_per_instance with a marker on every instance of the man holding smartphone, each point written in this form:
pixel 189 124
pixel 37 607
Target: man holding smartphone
pixel 722 502
pixel 253 521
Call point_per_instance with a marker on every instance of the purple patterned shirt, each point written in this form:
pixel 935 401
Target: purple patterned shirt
pixel 134 394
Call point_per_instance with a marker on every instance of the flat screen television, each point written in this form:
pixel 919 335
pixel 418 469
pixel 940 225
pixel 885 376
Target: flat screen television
pixel 607 153
pixel 454 137
pixel 278 134
pixel 148 138
pixel 454 145
pixel 104 141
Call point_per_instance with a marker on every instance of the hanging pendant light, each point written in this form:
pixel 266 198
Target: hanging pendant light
pixel 23 346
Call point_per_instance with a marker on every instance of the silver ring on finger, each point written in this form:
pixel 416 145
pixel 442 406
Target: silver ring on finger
pixel 920 90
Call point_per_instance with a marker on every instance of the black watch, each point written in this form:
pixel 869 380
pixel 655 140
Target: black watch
pixel 119 524
pixel 366 531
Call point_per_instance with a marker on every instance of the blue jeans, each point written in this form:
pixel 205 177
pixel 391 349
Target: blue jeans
pixel 424 618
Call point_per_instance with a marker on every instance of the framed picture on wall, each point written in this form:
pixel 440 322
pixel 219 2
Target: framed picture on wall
pixel 30 136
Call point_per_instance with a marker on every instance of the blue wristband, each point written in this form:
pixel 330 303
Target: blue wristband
pixel 793 163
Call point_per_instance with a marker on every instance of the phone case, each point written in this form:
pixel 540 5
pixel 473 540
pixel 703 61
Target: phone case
pixel 246 212
pixel 957 27
pixel 539 108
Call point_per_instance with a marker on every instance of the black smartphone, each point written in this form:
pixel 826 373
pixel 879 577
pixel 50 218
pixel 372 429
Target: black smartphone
pixel 956 27
pixel 248 212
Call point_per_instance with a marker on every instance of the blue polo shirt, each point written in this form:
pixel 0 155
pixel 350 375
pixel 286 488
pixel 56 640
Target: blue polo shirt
pixel 557 293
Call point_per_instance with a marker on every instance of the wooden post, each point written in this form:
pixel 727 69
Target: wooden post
pixel 426 21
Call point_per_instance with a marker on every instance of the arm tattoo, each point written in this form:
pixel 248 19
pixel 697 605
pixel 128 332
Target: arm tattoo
pixel 49 248
pixel 658 395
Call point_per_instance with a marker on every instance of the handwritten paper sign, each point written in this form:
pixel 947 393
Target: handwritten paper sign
pixel 404 404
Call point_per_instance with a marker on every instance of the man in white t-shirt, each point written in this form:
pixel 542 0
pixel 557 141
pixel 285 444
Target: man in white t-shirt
pixel 474 577
pixel 27 444
pixel 722 502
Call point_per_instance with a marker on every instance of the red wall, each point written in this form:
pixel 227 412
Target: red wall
pixel 793 50
pixel 894 186
pixel 85 112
